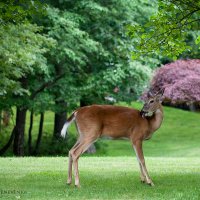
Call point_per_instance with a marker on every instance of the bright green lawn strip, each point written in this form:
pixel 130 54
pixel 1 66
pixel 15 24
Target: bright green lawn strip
pixel 101 178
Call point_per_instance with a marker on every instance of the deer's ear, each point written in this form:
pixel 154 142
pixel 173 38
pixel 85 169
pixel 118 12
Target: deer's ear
pixel 161 92
pixel 159 98
pixel 149 94
pixel 159 95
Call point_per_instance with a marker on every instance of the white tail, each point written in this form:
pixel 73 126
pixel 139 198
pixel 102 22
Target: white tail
pixel 64 129
pixel 115 121
pixel 67 124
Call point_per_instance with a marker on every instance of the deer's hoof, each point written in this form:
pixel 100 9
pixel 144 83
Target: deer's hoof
pixel 69 182
pixel 143 181
pixel 151 184
pixel 78 186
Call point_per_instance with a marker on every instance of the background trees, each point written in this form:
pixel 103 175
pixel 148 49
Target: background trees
pixel 22 62
pixel 64 54
pixel 171 33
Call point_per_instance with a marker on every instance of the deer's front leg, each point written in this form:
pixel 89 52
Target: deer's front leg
pixel 139 153
pixel 142 176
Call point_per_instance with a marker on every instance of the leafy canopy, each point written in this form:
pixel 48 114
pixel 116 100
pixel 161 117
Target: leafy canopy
pixel 22 49
pixel 93 50
pixel 12 11
pixel 166 31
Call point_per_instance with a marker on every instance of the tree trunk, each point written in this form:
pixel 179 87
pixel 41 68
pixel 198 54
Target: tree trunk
pixel 18 146
pixel 30 133
pixel 84 102
pixel 192 107
pixel 39 134
pixel 5 148
pixel 91 149
pixel 59 119
pixel 0 120
pixel 6 117
pixel 61 105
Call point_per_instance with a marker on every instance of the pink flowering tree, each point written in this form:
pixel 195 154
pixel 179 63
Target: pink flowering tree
pixel 181 81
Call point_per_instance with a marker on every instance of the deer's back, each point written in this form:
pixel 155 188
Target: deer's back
pixel 107 120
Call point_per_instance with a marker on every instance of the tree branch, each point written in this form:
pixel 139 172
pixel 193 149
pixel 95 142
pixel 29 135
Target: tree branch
pixel 188 15
pixel 185 24
pixel 45 85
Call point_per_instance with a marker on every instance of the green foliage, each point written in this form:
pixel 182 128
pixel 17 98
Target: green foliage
pixel 71 56
pixel 130 81
pixel 198 40
pixel 58 147
pixel 22 54
pixel 23 61
pixel 106 24
pixel 73 43
pixel 12 11
pixel 91 45
pixel 192 41
pixel 167 30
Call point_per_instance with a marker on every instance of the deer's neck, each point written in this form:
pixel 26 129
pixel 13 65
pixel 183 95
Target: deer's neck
pixel 156 121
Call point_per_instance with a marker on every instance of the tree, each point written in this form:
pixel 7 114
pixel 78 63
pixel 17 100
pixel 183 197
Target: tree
pixel 82 51
pixel 69 57
pixel 19 11
pixel 22 58
pixel 23 64
pixel 181 81
pixel 105 21
pixel 91 42
pixel 166 32
pixel 21 53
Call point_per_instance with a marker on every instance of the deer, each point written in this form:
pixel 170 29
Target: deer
pixel 95 121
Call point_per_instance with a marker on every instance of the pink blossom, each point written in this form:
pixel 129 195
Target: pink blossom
pixel 181 81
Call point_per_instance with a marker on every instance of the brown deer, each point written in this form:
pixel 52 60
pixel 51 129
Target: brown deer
pixel 95 121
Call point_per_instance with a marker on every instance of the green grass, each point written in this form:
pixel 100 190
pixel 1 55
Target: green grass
pixel 101 178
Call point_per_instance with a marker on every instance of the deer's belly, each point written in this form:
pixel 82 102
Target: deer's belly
pixel 115 133
pixel 148 136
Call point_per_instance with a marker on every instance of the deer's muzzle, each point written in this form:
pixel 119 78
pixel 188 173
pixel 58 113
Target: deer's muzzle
pixel 146 113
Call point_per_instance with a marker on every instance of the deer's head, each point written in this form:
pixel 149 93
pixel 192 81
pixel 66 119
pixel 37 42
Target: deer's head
pixel 152 104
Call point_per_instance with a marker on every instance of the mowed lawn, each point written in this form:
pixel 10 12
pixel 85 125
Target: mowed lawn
pixel 101 178
pixel 172 158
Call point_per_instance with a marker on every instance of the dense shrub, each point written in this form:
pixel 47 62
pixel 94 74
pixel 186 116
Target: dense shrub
pixel 181 81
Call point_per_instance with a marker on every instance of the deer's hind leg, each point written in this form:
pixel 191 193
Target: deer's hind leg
pixel 69 180
pixel 76 152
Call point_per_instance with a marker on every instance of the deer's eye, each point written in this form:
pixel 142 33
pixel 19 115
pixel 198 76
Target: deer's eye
pixel 151 101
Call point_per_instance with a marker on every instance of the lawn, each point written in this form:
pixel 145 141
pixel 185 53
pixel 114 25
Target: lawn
pixel 101 178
